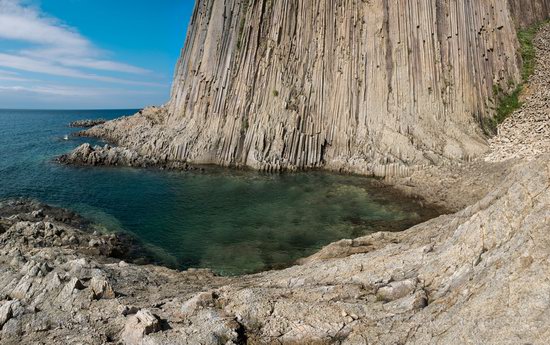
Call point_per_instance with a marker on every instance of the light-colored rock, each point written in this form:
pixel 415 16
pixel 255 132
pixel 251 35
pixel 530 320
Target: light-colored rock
pixel 478 276
pixel 38 213
pixel 6 311
pixel 200 301
pixel 526 133
pixel 138 326
pixel 370 87
pixel 101 288
pixel 397 290
pixel 469 275
pixel 85 154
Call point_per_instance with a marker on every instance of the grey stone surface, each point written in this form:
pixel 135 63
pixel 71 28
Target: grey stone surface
pixel 87 123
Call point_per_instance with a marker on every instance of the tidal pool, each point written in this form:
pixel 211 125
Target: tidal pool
pixel 231 221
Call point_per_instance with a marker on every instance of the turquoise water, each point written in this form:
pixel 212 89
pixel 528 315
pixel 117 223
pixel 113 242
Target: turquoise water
pixel 231 221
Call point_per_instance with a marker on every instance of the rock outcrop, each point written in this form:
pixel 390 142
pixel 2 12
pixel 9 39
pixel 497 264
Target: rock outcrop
pixel 87 123
pixel 369 87
pixel 107 155
pixel 62 285
pixel 527 132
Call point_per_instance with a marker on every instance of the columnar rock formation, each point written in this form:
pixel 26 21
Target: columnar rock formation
pixel 365 86
pixel 478 276
pixel 528 12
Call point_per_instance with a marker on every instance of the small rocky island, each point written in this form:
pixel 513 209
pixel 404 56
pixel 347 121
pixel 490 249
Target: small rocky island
pixel 475 276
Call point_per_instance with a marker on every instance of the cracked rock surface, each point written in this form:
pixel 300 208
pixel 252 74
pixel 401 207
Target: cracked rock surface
pixel 526 133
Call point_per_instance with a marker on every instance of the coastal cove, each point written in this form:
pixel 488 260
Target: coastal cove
pixel 322 172
pixel 231 221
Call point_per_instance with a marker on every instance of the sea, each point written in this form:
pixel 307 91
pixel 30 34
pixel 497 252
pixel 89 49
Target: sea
pixel 232 221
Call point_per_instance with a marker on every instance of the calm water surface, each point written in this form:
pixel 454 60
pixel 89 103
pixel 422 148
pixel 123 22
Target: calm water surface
pixel 231 221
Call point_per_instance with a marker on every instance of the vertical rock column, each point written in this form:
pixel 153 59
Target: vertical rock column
pixel 365 86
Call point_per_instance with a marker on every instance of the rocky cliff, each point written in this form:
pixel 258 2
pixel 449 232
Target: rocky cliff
pixel 479 276
pixel 365 86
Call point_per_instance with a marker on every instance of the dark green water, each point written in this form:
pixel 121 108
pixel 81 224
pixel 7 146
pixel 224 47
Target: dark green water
pixel 231 221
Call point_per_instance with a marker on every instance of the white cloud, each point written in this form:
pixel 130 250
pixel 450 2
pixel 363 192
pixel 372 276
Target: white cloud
pixel 60 90
pixel 21 23
pixel 104 65
pixel 55 48
pixel 24 63
pixel 13 76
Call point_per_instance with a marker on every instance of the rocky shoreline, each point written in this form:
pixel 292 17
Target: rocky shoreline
pixel 447 279
pixel 87 123
pixel 476 276
pixel 57 279
pixel 88 155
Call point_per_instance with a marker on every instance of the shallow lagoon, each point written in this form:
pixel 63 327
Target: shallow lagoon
pixel 231 221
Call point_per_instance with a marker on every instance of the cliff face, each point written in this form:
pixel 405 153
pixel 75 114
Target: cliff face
pixel 365 86
pixel 371 87
pixel 478 276
pixel 526 13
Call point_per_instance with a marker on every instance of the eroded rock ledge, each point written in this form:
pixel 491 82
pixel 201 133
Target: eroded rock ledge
pixel 87 123
pixel 107 155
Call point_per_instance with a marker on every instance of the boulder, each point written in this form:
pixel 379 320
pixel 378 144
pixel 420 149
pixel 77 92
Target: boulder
pixel 138 326
pixel 101 288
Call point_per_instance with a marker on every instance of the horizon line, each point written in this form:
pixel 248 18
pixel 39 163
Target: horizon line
pixel 81 109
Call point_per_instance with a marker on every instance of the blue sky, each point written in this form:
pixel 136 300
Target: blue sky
pixel 89 54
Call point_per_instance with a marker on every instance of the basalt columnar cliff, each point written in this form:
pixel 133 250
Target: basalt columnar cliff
pixel 478 276
pixel 370 87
